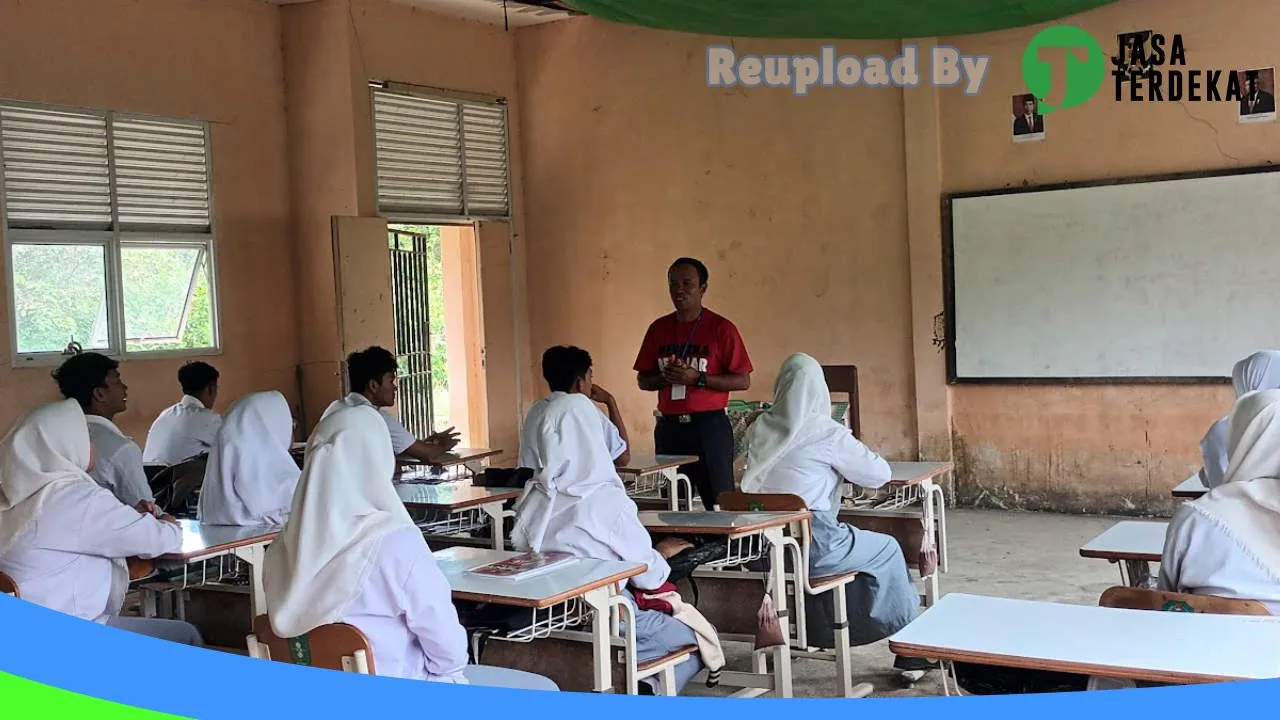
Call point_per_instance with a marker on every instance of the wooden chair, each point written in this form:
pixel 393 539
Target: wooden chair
pixel 1134 598
pixel 333 647
pixel 835 584
pixel 844 379
pixel 8 586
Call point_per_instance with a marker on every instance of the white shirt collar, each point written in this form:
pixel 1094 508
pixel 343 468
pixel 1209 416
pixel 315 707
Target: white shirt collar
pixel 192 402
pixel 356 399
pixel 99 420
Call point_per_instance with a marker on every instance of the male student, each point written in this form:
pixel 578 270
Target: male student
pixel 693 358
pixel 93 380
pixel 188 428
pixel 567 371
pixel 371 376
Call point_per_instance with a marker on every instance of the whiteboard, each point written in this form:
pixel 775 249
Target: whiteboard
pixel 1172 279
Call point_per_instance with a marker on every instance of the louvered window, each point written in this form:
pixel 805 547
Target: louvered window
pixel 440 157
pixel 108 228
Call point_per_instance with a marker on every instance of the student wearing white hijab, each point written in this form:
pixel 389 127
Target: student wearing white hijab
pixel 1227 543
pixel 577 504
pixel 250 477
pixel 1259 371
pixel 349 553
pixel 64 539
pixel 795 447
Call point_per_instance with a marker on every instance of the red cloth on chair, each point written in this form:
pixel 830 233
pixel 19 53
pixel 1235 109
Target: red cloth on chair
pixel 645 599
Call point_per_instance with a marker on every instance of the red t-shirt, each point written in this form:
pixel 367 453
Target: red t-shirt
pixel 713 342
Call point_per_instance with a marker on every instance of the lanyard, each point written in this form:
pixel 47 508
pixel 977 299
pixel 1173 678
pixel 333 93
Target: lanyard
pixel 684 351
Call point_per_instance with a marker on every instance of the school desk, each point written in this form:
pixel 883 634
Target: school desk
pixel 646 474
pixel 1131 544
pixel 749 536
pixel 1190 489
pixel 1141 645
pixel 469 507
pixel 560 599
pixel 205 543
pixel 472 459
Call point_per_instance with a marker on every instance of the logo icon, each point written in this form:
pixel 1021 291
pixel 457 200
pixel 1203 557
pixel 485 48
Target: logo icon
pixel 1081 79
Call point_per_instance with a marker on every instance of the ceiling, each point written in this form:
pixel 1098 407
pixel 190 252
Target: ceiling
pixel 834 18
pixel 516 14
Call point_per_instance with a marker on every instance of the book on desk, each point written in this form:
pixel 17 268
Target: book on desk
pixel 524 565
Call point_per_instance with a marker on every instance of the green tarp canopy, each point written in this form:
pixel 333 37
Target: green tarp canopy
pixel 827 19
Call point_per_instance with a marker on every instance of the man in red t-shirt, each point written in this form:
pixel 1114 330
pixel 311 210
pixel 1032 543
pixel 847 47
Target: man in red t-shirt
pixel 693 358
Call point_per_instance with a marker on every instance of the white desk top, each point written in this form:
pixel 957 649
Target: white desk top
pixel 910 473
pixel 200 541
pixel 452 495
pixel 1128 540
pixel 716 523
pixel 1169 647
pixel 457 456
pixel 542 590
pixel 645 464
pixel 1191 488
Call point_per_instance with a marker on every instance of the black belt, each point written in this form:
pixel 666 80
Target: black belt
pixel 686 418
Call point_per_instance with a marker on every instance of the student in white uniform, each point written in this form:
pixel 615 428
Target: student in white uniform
pixel 371 376
pixel 567 370
pixel 350 554
pixel 93 380
pixel 190 427
pixel 250 477
pixel 64 539
pixel 1226 543
pixel 1259 371
pixel 796 448
pixel 577 504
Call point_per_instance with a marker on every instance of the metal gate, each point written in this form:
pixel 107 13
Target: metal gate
pixel 409 300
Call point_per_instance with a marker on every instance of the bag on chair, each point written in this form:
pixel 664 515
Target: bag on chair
pixel 928 555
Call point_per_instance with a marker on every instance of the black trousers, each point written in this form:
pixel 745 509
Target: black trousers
pixel 709 436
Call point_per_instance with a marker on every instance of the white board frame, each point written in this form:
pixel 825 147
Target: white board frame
pixel 949 287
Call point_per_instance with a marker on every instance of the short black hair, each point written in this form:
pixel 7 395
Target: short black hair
pixel 80 375
pixel 196 376
pixel 695 264
pixel 368 365
pixel 563 365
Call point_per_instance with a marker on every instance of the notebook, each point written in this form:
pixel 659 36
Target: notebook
pixel 524 565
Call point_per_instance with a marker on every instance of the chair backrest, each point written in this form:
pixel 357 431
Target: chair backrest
pixel 8 586
pixel 760 502
pixel 844 379
pixel 1144 599
pixel 333 647
pixel 177 484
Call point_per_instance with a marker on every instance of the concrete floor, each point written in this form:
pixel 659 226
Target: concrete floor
pixel 1009 554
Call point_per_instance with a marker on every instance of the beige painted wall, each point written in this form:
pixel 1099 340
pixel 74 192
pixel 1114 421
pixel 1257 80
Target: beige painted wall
pixel 1099 447
pixel 795 204
pixel 219 62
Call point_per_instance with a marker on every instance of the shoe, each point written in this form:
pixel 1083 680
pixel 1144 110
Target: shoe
pixel 901 662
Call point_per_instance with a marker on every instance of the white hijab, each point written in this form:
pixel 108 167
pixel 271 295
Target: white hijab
pixel 250 476
pixel 1259 371
pixel 48 448
pixel 1247 504
pixel 343 507
pixel 800 416
pixel 569 446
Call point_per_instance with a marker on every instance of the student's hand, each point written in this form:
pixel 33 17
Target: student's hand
pixel 146 507
pixel 446 440
pixel 670 547
pixel 168 518
pixel 600 395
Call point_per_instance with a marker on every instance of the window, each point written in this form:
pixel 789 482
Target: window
pixel 440 157
pixel 108 228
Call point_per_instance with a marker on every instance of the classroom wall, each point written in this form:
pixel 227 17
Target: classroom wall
pixel 797 206
pixel 219 62
pixel 1085 447
pixel 332 49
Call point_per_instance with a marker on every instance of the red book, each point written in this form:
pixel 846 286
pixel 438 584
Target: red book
pixel 524 565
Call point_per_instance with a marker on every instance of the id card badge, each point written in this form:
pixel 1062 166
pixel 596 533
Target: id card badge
pixel 678 392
